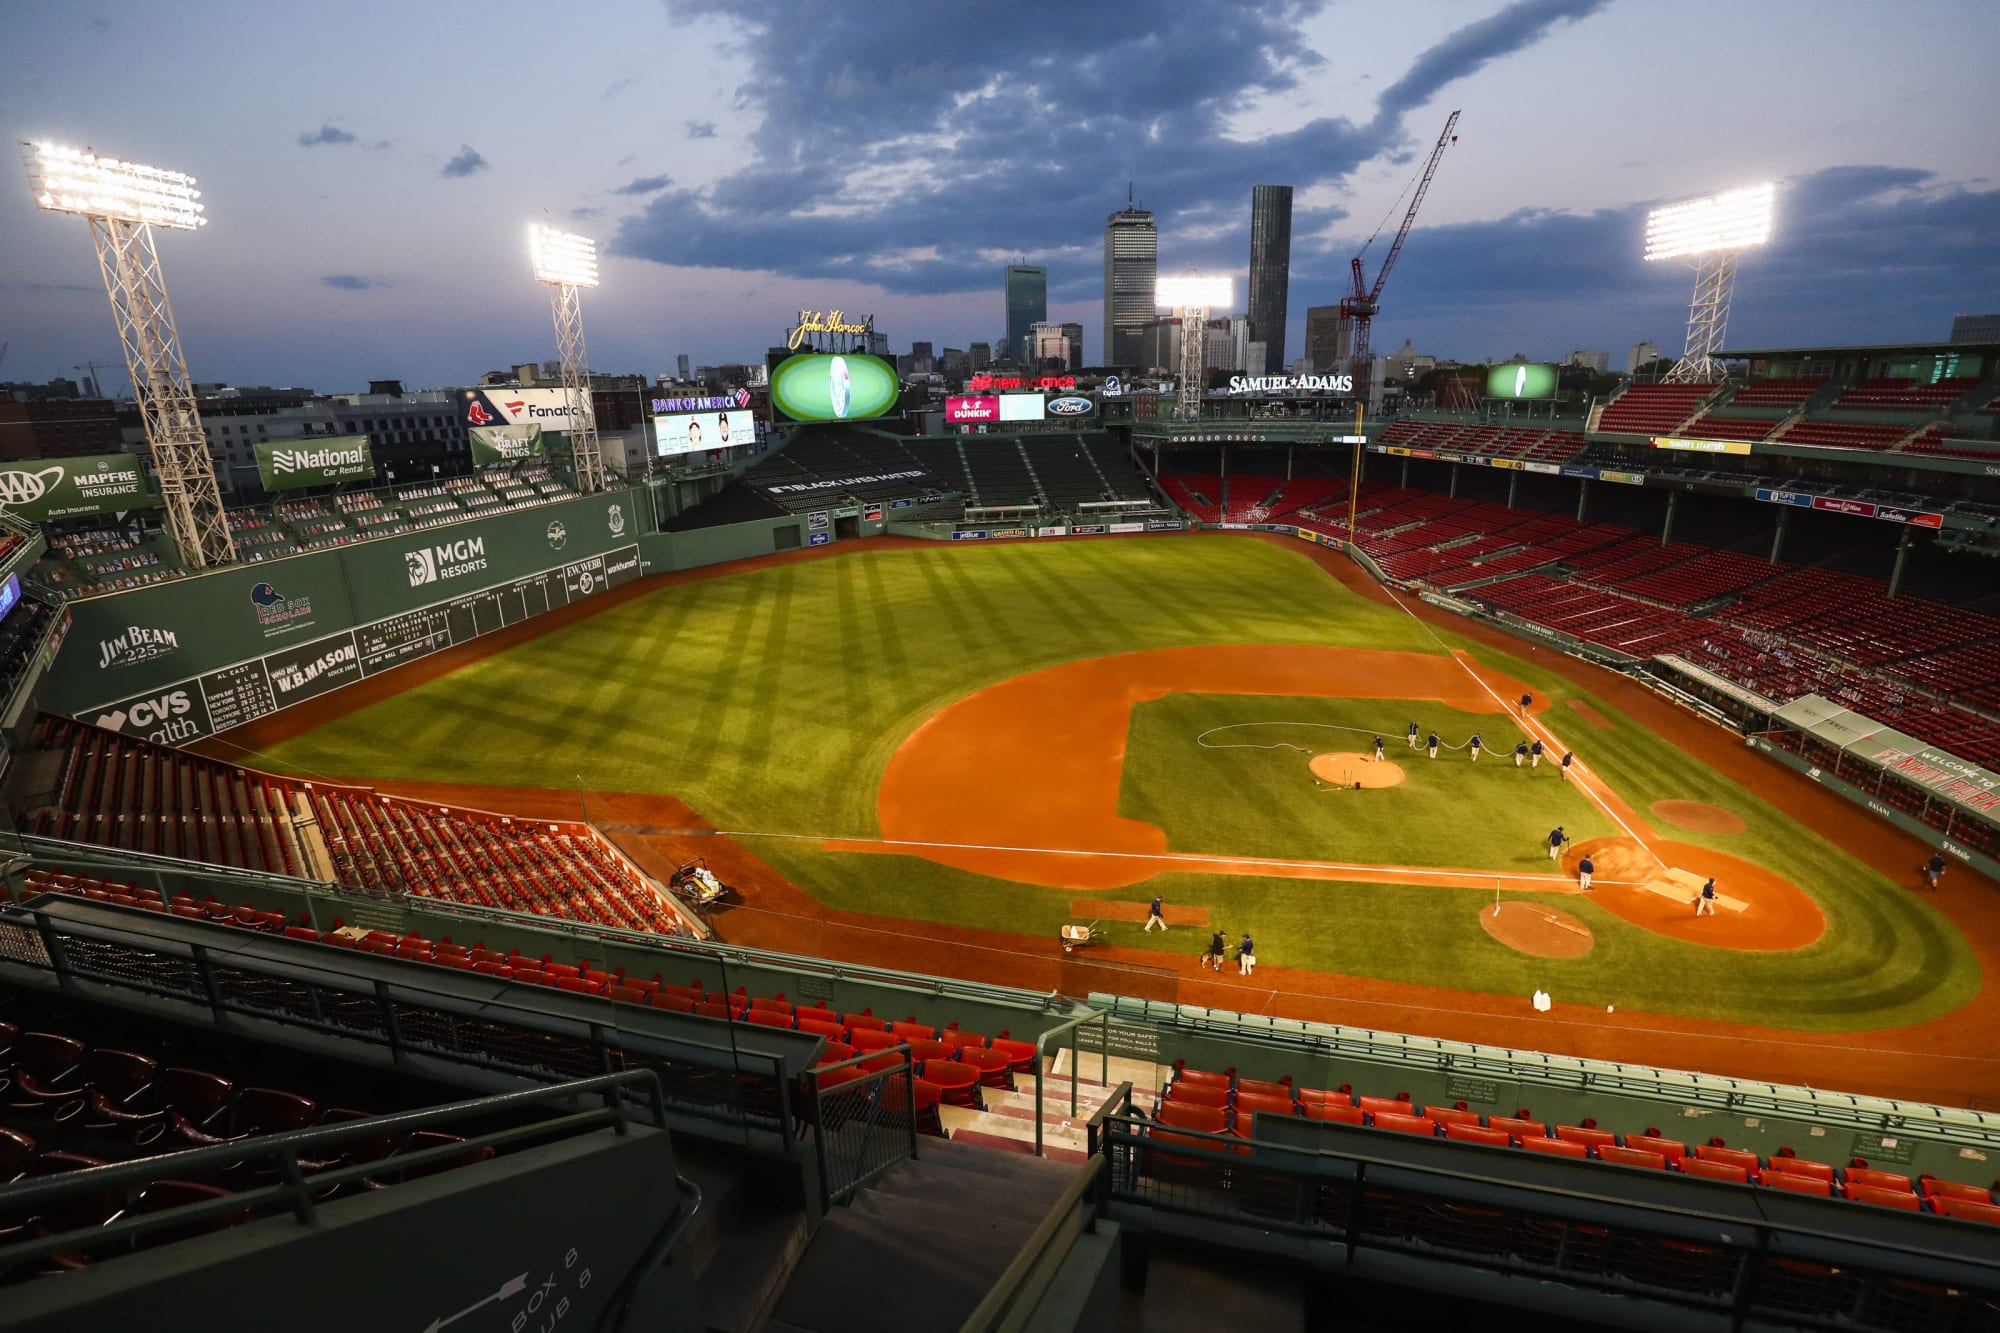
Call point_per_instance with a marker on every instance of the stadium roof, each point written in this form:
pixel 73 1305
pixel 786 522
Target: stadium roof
pixel 1857 349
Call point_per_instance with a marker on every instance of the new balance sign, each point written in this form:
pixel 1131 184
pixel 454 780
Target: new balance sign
pixel 297 463
pixel 436 564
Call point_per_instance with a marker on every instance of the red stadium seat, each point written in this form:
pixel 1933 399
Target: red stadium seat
pixel 1742 1157
pixel 1464 1133
pixel 1589 1138
pixel 1618 1156
pixel 1345 1112
pixel 1707 1170
pixel 1451 1115
pixel 1797 1184
pixel 1197 1094
pixel 1671 1149
pixel 1405 1124
pixel 1881 1180
pixel 1906 1200
pixel 1799 1166
pixel 1518 1127
pixel 1966 1210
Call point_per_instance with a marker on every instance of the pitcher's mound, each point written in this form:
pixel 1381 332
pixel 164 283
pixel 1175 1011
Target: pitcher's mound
pixel 1536 929
pixel 1345 770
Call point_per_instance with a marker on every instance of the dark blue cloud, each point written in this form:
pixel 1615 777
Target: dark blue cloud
pixel 644 185
pixel 701 129
pixel 884 154
pixel 465 162
pixel 352 282
pixel 586 213
pixel 1859 254
pixel 325 134
pixel 618 86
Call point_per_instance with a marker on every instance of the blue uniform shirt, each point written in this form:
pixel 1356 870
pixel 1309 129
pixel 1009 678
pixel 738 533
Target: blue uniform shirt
pixel 1475 740
pixel 1536 747
pixel 1247 947
pixel 1156 907
pixel 1586 866
pixel 1708 889
pixel 1555 837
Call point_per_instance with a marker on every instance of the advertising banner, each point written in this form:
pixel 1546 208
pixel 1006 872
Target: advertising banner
pixel 10 595
pixel 547 408
pixel 822 386
pixel 1624 478
pixel 505 444
pixel 1546 469
pixel 1071 405
pixel 1509 464
pixel 43 489
pixel 1530 381
pixel 690 432
pixel 1021 407
pixel 970 408
pixel 286 465
pixel 968 536
pixel 1701 446
pixel 1798 498
pixel 1586 473
pixel 189 708
pixel 1090 529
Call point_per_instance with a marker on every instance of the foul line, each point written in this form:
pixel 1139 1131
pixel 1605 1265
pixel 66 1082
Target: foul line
pixel 1192 857
pixel 1527 722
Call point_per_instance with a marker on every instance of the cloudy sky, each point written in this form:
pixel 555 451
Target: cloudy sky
pixel 370 167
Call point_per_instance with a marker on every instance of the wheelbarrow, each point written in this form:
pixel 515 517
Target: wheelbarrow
pixel 1076 937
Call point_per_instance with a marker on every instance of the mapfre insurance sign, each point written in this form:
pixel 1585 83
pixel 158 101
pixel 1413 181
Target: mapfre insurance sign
pixel 547 408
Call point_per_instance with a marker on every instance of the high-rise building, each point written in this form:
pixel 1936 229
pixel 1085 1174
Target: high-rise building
pixel 1975 328
pixel 980 356
pixel 1027 305
pixel 1270 270
pixel 681 367
pixel 1329 339
pixel 1056 346
pixel 1589 360
pixel 1131 263
pixel 1641 354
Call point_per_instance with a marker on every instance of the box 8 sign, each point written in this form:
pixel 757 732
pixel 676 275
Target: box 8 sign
pixel 693 432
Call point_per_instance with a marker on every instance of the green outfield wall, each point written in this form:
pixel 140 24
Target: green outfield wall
pixel 179 661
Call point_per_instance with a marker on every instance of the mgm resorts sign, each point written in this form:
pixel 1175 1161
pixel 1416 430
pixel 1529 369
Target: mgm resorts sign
pixel 813 323
pixel 1276 384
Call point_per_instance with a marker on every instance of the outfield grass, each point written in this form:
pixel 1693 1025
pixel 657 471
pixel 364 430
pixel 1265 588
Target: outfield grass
pixel 1245 801
pixel 771 701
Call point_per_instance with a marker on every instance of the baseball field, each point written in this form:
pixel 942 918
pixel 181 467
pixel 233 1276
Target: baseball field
pixel 934 756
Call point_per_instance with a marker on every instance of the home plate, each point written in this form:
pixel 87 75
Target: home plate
pixel 1684 886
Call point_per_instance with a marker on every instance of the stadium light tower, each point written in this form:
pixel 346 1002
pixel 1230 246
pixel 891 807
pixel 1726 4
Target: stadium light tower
pixel 1710 233
pixel 568 263
pixel 1191 296
pixel 123 202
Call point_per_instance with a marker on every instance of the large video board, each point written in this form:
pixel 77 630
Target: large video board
pixel 692 432
pixel 832 386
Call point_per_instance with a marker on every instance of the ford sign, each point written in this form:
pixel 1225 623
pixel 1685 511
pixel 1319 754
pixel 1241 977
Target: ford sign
pixel 1070 407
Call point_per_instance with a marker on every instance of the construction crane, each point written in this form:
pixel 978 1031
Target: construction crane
pixel 90 369
pixel 1366 302
pixel 1361 308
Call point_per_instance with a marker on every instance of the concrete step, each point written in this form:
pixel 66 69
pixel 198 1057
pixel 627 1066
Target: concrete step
pixel 1005 1199
pixel 864 1275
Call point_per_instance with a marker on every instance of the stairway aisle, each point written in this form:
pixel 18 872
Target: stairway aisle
pixel 922 1246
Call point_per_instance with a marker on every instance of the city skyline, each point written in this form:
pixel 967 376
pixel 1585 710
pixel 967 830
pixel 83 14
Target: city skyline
pixel 366 224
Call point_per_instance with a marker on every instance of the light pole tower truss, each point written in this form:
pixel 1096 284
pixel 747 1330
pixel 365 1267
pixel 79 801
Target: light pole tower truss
pixel 568 264
pixel 123 202
pixel 1191 297
pixel 1710 233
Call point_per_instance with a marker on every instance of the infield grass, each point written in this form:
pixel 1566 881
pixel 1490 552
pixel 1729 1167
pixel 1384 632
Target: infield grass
pixel 1248 801
pixel 772 700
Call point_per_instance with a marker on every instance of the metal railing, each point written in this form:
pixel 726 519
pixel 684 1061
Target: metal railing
pixel 1299 1039
pixel 520 1032
pixel 1368 1196
pixel 1013 1297
pixel 859 1128
pixel 291 1163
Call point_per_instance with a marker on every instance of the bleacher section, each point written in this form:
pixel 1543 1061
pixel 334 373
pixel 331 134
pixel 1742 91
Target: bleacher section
pixel 1202 1115
pixel 1530 443
pixel 99 560
pixel 115 791
pixel 1653 409
pixel 1900 395
pixel 1777 392
pixel 1843 434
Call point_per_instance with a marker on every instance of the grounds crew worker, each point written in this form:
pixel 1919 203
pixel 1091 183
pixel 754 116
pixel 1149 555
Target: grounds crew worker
pixel 1246 956
pixel 1217 947
pixel 1413 735
pixel 1704 903
pixel 1535 755
pixel 1520 753
pixel 1933 868
pixel 1378 749
pixel 1584 870
pixel 1157 916
pixel 1434 745
pixel 1475 747
pixel 1556 841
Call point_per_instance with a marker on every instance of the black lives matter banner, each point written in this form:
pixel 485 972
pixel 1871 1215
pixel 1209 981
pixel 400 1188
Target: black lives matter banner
pixel 231 696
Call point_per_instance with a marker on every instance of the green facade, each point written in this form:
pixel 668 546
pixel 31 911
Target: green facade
pixel 180 661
